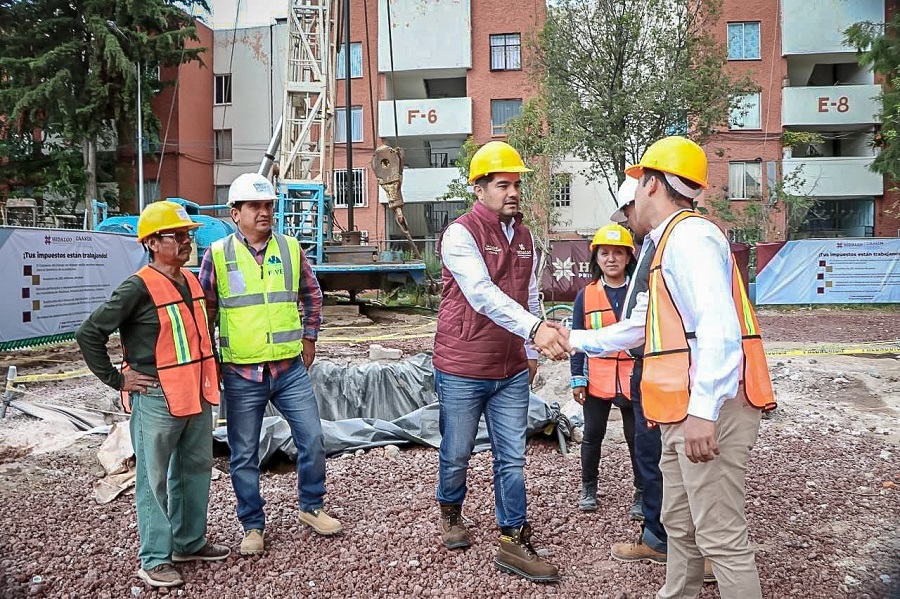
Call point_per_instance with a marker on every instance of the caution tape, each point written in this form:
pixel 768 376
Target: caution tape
pixel 50 376
pixel 330 339
pixel 892 347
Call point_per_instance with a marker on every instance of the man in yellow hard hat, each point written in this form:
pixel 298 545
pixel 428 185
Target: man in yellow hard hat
pixel 487 318
pixel 704 381
pixel 169 384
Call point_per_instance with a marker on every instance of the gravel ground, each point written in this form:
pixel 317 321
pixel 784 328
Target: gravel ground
pixel 822 495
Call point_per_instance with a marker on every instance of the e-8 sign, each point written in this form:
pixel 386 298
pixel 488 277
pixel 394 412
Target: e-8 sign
pixel 826 104
pixel 414 113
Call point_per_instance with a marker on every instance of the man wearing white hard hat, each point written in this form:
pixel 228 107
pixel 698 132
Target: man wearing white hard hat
pixel 257 285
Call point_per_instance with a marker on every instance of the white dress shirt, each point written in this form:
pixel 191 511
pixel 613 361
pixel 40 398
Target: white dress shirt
pixel 460 255
pixel 696 265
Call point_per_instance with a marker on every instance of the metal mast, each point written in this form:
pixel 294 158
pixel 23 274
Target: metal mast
pixel 305 156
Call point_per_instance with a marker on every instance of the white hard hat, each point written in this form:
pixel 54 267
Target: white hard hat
pixel 250 187
pixel 625 196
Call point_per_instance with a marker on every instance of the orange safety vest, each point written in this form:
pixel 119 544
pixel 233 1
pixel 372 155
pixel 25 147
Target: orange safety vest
pixel 186 366
pixel 665 381
pixel 608 376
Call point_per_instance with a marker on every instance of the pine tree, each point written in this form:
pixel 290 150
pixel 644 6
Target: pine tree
pixel 67 76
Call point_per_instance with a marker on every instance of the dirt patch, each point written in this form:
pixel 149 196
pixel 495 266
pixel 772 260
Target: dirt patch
pixel 830 325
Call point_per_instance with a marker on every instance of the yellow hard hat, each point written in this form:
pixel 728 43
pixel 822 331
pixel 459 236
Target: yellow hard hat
pixel 612 234
pixel 162 216
pixel 674 155
pixel 495 157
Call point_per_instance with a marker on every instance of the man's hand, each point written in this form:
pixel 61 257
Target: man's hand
pixel 309 352
pixel 700 439
pixel 579 393
pixel 132 380
pixel 552 340
pixel 532 370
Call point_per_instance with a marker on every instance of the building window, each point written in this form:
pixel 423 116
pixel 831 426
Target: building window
pixel 506 52
pixel 340 187
pixel 561 187
pixel 744 180
pixel 223 144
pixel 743 41
pixel 340 124
pixel 222 194
pixel 222 86
pixel 501 112
pixel 745 113
pixel 355 61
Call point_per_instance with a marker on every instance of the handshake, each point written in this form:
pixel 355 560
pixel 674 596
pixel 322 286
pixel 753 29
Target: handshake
pixel 552 340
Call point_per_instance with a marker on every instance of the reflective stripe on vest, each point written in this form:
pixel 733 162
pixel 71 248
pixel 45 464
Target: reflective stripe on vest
pixel 258 314
pixel 185 363
pixel 608 376
pixel 665 381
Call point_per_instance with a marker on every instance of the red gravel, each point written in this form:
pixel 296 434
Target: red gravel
pixel 830 325
pixel 58 543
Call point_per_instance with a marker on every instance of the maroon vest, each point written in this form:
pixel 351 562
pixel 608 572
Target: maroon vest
pixel 467 343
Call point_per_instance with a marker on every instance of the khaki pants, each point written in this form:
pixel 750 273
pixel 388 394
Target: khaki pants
pixel 703 508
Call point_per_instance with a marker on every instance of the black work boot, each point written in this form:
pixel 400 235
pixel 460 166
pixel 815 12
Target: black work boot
pixel 453 532
pixel 517 556
pixel 637 506
pixel 588 502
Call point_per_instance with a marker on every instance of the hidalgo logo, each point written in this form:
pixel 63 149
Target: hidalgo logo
pixel 562 269
pixel 46 240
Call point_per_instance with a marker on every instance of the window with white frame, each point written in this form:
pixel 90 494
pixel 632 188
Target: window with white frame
pixel 501 112
pixel 561 188
pixel 744 180
pixel 222 89
pixel 223 144
pixel 506 52
pixel 355 61
pixel 743 41
pixel 340 187
pixel 745 113
pixel 340 124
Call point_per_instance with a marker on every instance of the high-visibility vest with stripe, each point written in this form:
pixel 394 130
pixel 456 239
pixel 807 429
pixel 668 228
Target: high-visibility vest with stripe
pixel 258 316
pixel 665 381
pixel 185 363
pixel 608 376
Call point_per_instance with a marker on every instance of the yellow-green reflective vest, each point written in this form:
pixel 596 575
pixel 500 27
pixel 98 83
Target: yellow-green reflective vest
pixel 258 316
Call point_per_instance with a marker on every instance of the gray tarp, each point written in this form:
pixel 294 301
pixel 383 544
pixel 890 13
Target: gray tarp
pixel 376 404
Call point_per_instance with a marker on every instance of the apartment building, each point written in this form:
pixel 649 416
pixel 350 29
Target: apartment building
pixel 812 84
pixel 179 161
pixel 423 76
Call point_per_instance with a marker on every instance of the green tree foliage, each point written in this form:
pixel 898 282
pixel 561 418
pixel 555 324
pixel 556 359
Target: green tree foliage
pixel 68 79
pixel 621 74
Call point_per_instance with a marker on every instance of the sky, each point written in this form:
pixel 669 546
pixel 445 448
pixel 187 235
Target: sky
pixel 252 12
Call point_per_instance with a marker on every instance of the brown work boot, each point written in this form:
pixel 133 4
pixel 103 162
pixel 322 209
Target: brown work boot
pixel 207 553
pixel 163 575
pixel 453 531
pixel 321 522
pixel 708 576
pixel 254 542
pixel 517 556
pixel 637 552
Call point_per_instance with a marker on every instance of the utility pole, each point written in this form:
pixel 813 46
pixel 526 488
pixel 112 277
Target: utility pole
pixel 348 181
pixel 139 149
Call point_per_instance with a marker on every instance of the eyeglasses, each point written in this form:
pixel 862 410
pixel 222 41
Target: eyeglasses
pixel 180 236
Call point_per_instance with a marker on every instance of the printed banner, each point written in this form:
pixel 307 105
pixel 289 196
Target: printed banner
pixel 569 268
pixel 54 278
pixel 832 271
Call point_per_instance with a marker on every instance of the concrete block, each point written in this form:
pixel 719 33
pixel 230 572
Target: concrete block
pixel 378 352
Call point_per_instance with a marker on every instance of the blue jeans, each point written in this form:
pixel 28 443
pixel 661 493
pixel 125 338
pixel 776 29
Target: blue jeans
pixel 647 452
pixel 173 456
pixel 504 404
pixel 245 401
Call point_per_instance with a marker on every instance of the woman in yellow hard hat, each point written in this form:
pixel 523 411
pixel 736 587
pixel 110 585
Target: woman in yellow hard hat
pixel 598 383
pixel 169 383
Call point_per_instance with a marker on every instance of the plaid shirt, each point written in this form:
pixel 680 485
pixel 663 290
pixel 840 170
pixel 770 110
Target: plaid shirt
pixel 310 303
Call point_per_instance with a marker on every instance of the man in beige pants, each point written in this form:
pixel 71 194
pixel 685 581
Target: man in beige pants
pixel 705 379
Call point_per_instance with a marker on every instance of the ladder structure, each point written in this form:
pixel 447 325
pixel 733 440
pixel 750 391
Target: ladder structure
pixel 305 153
